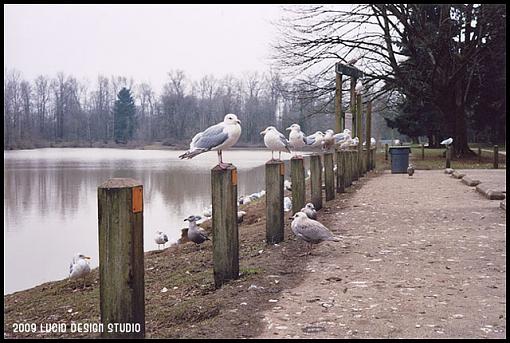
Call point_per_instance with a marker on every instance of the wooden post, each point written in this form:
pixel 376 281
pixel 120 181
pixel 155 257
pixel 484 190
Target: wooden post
pixel 224 225
pixel 339 122
pixel 353 103
pixel 297 174
pixel 329 176
pixel 479 154
pixel 448 156
pixel 496 156
pixel 386 147
pixel 340 171
pixel 355 168
pixel 316 181
pixel 348 167
pixel 368 134
pixel 275 172
pixel 121 259
pixel 422 151
pixel 359 133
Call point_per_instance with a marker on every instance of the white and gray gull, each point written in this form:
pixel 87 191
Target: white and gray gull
pixel 79 267
pixel 275 141
pixel 217 137
pixel 310 211
pixel 160 238
pixel 311 231
pixel 195 233
pixel 296 138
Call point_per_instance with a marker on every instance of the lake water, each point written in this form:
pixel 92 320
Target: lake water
pixel 50 201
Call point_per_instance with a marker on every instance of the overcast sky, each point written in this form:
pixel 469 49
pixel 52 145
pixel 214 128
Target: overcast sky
pixel 139 41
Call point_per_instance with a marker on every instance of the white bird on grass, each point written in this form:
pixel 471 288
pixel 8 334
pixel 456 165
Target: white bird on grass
pixel 296 138
pixel 79 267
pixel 275 141
pixel 217 137
pixel 311 231
pixel 195 233
pixel 447 141
pixel 160 238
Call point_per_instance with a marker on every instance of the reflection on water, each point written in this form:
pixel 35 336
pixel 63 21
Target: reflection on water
pixel 50 201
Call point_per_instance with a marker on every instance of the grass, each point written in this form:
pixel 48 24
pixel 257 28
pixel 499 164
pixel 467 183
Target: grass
pixel 433 159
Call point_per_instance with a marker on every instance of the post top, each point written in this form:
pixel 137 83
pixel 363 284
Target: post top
pixel 274 162
pixel 118 182
pixel 218 168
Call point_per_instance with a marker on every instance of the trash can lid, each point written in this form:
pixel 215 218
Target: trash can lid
pixel 400 149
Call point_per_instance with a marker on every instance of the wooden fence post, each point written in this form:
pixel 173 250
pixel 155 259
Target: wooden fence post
pixel 496 157
pixel 368 135
pixel 329 176
pixel 355 165
pixel 348 168
pixel 297 174
pixel 224 225
pixel 422 151
pixel 448 156
pixel 386 151
pixel 339 120
pixel 340 171
pixel 359 134
pixel 121 258
pixel 479 154
pixel 275 172
pixel 316 181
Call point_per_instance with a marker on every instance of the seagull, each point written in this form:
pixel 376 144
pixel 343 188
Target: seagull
pixel 296 138
pixel 329 140
pixel 310 211
pixel 310 230
pixel 447 141
pixel 217 137
pixel 342 136
pixel 287 204
pixel 160 238
pixel 275 141
pixel 410 170
pixel 240 216
pixel 355 141
pixel 287 185
pixel 359 87
pixel 79 267
pixel 315 140
pixel 196 234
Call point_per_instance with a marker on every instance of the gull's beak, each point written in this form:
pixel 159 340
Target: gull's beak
pixel 288 128
pixel 291 217
pixel 262 132
pixel 87 257
pixel 185 219
pixel 238 121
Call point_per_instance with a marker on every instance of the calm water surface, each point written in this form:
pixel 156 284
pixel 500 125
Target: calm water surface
pixel 50 201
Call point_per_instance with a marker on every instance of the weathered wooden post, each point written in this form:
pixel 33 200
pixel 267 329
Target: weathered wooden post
pixel 121 259
pixel 355 165
pixel 496 156
pixel 386 151
pixel 422 151
pixel 359 133
pixel 329 176
pixel 348 168
pixel 224 225
pixel 353 103
pixel 339 120
pixel 340 171
pixel 316 181
pixel 368 134
pixel 374 157
pixel 479 154
pixel 297 175
pixel 448 156
pixel 275 172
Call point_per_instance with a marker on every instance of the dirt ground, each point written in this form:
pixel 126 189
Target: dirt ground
pixel 424 257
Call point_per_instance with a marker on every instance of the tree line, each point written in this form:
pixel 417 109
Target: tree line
pixel 64 111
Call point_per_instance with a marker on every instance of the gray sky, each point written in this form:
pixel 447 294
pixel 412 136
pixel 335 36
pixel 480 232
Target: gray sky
pixel 139 41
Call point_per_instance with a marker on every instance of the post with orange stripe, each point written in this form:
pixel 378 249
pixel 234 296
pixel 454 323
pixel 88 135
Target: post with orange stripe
pixel 121 258
pixel 224 225
pixel 275 173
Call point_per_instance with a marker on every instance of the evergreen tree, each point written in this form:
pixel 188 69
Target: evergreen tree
pixel 124 116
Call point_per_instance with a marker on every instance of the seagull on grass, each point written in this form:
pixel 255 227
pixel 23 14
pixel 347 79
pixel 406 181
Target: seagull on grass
pixel 79 267
pixel 311 231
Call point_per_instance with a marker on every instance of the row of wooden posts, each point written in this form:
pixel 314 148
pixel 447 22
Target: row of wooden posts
pixel 120 219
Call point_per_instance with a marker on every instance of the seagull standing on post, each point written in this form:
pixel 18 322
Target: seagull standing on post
pixel 275 141
pixel 359 87
pixel 315 140
pixel 329 140
pixel 296 138
pixel 217 137
pixel 447 141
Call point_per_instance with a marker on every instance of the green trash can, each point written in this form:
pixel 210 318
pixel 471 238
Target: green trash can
pixel 399 159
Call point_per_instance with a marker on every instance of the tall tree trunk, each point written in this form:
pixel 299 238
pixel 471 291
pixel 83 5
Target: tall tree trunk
pixel 460 142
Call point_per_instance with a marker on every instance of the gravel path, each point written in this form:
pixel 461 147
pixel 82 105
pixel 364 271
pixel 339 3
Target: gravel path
pixel 425 257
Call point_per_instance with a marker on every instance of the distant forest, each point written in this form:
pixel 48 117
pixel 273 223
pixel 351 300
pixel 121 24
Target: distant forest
pixel 63 111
